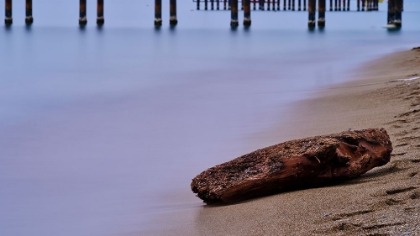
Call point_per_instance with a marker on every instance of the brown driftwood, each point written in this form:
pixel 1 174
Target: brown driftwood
pixel 299 163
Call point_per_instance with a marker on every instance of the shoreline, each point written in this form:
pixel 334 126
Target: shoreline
pixel 383 201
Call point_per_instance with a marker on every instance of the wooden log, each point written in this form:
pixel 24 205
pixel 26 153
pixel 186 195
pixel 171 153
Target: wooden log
pixel 100 20
pixel 234 14
pixel 321 13
pixel 172 13
pixel 247 12
pixel 8 20
pixel 308 162
pixel 311 13
pixel 158 12
pixel 82 13
pixel 28 7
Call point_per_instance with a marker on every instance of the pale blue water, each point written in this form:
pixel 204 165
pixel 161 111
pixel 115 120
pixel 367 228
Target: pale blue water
pixel 103 129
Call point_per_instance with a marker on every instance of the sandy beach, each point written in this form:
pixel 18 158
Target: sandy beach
pixel 384 201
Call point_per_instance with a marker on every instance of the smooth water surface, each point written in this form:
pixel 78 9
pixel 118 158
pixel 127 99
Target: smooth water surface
pixel 102 129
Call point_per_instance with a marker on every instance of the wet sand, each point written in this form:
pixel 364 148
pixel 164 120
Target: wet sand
pixel 384 201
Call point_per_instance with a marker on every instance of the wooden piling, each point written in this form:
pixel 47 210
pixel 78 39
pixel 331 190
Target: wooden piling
pixel 331 5
pixel 289 7
pixel 158 12
pixel 321 13
pixel 299 5
pixel 284 5
pixel 363 4
pixel 198 5
pixel 234 13
pixel 398 13
pixel 391 11
pixel 29 19
pixel 274 5
pixel 293 5
pixel 172 13
pixel 212 4
pixel 261 4
pixel 348 5
pixel 304 5
pixel 82 15
pixel 339 5
pixel 344 5
pixel 205 4
pixel 255 5
pixel 358 5
pixel 8 20
pixel 335 5
pixel 217 4
pixel 268 4
pixel 311 13
pixel 247 12
pixel 100 20
pixel 224 4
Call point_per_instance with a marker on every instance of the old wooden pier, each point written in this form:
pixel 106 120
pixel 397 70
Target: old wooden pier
pixel 395 8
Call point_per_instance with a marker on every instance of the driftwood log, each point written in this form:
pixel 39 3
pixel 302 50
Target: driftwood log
pixel 294 164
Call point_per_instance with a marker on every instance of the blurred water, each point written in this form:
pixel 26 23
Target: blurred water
pixel 103 129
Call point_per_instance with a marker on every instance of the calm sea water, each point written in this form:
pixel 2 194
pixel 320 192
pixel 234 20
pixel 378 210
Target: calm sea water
pixel 103 129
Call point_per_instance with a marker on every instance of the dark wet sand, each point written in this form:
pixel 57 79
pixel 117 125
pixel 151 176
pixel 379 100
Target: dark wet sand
pixel 385 201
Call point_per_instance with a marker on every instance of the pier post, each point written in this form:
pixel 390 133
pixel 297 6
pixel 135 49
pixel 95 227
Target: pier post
pixel 344 4
pixel 8 20
pixel 321 13
pixel 284 5
pixel 299 5
pixel 82 15
pixel 218 4
pixel 331 5
pixel 100 20
pixel 268 4
pixel 274 5
pixel 293 5
pixel 198 5
pixel 335 5
pixel 224 4
pixel 205 4
pixel 311 13
pixel 358 5
pixel 261 4
pixel 339 5
pixel 304 5
pixel 255 5
pixel 158 12
pixel 289 2
pixel 348 5
pixel 212 4
pixel 363 4
pixel 391 11
pixel 247 12
pixel 29 19
pixel 398 15
pixel 172 13
pixel 234 13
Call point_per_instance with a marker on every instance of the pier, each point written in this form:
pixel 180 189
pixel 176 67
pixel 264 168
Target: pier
pixel 394 13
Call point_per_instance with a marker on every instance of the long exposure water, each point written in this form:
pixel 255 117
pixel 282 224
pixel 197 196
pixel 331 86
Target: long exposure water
pixel 102 129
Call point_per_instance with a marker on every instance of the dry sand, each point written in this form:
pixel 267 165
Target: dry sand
pixel 385 201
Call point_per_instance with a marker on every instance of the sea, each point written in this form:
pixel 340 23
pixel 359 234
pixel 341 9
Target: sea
pixel 103 128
